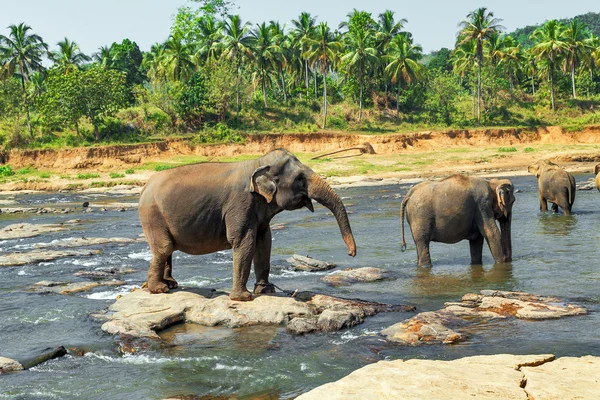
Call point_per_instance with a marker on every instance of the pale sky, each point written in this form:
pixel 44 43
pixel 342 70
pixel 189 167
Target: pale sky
pixel 94 23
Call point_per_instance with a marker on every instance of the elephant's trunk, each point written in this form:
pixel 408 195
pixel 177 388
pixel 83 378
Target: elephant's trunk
pixel 320 191
pixel 505 228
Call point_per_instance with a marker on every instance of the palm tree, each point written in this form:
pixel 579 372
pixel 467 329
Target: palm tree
pixel 68 55
pixel 549 47
pixel 21 52
pixel 103 57
pixel 387 28
pixel 511 59
pixel 361 52
pixel 235 45
pixel 403 63
pixel 178 60
pixel 531 68
pixel 266 52
pixel 284 43
pixel 209 31
pixel 464 60
pixel 478 27
pixel 154 62
pixel 305 29
pixel 323 51
pixel 578 48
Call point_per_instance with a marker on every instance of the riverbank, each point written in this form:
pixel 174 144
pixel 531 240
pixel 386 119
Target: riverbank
pixel 416 155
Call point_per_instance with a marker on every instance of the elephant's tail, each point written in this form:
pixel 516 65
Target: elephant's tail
pixel 402 208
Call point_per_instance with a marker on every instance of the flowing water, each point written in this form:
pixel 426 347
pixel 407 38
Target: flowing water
pixel 553 255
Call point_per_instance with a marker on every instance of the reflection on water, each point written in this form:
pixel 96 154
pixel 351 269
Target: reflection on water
pixel 266 361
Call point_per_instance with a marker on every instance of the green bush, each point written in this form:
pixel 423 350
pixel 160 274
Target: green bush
pixel 45 175
pixel 87 176
pixel 507 149
pixel 129 171
pixel 6 170
pixel 115 175
pixel 220 133
pixel 529 149
pixel 26 170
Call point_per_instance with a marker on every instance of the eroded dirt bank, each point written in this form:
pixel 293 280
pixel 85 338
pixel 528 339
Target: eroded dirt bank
pixel 110 157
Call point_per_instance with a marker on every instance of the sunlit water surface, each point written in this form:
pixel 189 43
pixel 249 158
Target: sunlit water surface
pixel 553 255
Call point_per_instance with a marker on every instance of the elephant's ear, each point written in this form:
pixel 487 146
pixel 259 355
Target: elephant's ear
pixel 597 169
pixel 262 183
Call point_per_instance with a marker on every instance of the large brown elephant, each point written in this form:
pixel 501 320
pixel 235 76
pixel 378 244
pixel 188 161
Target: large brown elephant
pixel 457 208
pixel 204 208
pixel 556 186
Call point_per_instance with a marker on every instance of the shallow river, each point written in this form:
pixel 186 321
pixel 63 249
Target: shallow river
pixel 553 255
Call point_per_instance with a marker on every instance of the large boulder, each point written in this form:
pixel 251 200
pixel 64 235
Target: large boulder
pixel 71 287
pixel 444 326
pixel 305 263
pixel 495 377
pixel 141 314
pixel 82 242
pixel 25 230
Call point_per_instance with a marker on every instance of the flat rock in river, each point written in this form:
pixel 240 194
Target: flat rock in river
pixel 36 256
pixel 305 263
pixel 25 230
pixel 141 314
pixel 81 242
pixel 71 287
pixel 494 377
pixel 444 326
pixel 350 276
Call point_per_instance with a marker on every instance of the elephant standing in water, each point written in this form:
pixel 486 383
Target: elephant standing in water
pixel 556 186
pixel 597 180
pixel 204 208
pixel 457 208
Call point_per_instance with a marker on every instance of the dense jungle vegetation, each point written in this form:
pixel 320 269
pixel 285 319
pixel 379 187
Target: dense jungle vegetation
pixel 218 78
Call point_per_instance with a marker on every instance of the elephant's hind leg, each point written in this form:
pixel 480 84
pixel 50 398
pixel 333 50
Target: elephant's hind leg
pixel 476 246
pixel 423 255
pixel 554 207
pixel 168 277
pixel 161 246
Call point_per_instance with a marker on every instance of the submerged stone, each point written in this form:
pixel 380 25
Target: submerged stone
pixel 25 230
pixel 141 314
pixel 305 263
pixel 444 326
pixel 82 242
pixel 9 365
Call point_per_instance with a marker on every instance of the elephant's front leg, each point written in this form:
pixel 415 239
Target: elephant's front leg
pixel 243 252
pixel 476 246
pixel 262 262
pixel 423 256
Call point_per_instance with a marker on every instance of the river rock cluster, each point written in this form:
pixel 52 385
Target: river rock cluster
pixel 446 325
pixel 141 314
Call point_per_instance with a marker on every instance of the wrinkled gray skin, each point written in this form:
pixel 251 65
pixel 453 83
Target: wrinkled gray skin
pixel 204 208
pixel 457 208
pixel 556 186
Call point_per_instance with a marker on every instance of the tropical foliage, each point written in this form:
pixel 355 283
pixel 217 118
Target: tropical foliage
pixel 216 69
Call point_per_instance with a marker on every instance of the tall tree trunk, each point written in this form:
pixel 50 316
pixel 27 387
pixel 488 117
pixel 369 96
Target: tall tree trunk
pixel 26 103
pixel 532 85
pixel 479 93
pixel 283 86
pixel 573 80
pixel 77 126
pixel 552 87
pixel 360 97
pixel 96 132
pixel 324 100
pixel 316 94
pixel 398 102
pixel 264 89
pixel 306 75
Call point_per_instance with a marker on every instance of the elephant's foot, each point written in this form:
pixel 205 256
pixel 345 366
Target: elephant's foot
pixel 157 287
pixel 171 283
pixel 240 295
pixel 264 288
